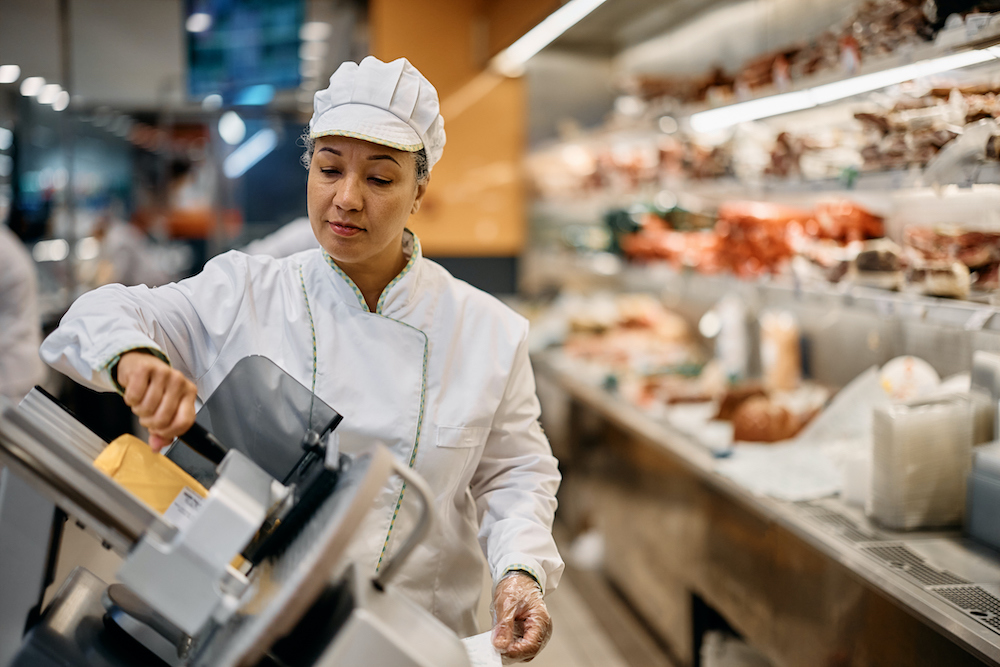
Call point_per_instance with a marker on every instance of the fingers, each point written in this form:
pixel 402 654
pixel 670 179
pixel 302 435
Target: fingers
pixel 522 622
pixel 503 636
pixel 159 395
pixel 537 630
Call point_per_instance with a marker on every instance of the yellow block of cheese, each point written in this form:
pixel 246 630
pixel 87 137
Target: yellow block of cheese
pixel 149 475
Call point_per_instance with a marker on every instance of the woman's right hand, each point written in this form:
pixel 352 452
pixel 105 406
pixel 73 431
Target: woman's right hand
pixel 159 395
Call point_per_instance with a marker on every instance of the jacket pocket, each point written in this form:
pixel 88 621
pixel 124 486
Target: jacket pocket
pixel 462 437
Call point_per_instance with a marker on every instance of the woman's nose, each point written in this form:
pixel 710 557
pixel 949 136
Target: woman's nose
pixel 348 195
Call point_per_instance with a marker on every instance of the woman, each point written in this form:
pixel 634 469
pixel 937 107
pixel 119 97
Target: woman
pixel 413 358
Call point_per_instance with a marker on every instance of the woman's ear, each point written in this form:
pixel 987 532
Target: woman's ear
pixel 421 191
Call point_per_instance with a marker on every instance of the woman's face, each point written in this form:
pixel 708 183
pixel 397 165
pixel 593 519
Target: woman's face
pixel 360 196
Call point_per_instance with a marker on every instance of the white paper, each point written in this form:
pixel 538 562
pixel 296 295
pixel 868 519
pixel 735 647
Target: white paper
pixel 481 651
pixel 182 511
pixel 812 465
pixel 791 471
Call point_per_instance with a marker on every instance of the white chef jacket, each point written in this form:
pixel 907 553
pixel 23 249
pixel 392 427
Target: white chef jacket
pixel 20 330
pixel 439 374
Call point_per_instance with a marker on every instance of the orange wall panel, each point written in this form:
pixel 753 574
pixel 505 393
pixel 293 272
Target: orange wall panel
pixel 475 203
pixel 509 19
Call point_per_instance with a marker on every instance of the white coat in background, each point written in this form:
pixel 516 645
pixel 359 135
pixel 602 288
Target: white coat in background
pixel 20 329
pixel 439 374
pixel 287 240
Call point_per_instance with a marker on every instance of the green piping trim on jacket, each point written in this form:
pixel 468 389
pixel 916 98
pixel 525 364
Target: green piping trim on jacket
pixel 520 567
pixel 416 442
pixel 312 330
pixel 380 304
pixel 347 279
pixel 112 365
pixel 406 269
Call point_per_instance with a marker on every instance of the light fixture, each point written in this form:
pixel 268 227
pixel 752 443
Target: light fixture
pixel 198 22
pixel 55 250
pixel 774 105
pixel 9 73
pixel 312 50
pixel 6 138
pixel 87 248
pixel 257 95
pixel 314 31
pixel 250 153
pixel 32 85
pixel 232 129
pixel 212 102
pixel 49 93
pixel 510 61
pixel 62 101
pixel 668 125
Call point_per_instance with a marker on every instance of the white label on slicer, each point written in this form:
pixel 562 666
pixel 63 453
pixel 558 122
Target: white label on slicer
pixel 181 512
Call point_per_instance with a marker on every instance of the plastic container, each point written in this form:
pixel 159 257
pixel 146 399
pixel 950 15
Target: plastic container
pixel 922 455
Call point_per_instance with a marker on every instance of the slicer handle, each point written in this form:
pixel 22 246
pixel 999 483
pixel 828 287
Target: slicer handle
pixel 200 440
pixel 415 482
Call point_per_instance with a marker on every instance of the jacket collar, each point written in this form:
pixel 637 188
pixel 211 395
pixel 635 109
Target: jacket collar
pixel 399 290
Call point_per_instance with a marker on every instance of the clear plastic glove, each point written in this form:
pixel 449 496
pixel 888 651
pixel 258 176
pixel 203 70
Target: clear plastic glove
pixel 521 623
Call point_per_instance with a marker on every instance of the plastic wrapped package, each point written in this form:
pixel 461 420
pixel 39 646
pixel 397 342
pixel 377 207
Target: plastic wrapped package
pixel 780 350
pixel 921 459
pixel 152 477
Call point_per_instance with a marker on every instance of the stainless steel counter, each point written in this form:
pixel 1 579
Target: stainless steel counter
pixel 949 583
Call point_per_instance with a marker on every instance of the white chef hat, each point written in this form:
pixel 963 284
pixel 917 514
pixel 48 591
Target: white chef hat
pixel 391 104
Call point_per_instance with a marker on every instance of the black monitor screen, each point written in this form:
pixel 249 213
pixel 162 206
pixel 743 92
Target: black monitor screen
pixel 243 50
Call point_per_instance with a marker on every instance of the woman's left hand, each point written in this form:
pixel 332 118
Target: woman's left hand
pixel 521 623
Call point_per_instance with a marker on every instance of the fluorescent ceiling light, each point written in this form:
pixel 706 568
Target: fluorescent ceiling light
pixel 49 93
pixel 32 85
pixel 6 138
pixel 62 101
pixel 212 102
pixel 774 105
pixel 314 31
pixel 87 248
pixel 9 73
pixel 312 50
pixel 250 153
pixel 258 95
pixel 512 59
pixel 198 22
pixel 232 129
pixel 55 250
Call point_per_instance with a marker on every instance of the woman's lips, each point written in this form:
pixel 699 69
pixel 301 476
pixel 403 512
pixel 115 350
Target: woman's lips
pixel 345 229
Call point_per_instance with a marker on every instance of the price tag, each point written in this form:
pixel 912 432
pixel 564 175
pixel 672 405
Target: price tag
pixel 184 508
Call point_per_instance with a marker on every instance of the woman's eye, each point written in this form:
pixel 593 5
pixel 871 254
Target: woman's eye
pixel 379 181
pixel 329 170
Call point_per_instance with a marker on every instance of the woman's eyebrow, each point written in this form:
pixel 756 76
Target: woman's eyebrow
pixel 383 157
pixel 327 149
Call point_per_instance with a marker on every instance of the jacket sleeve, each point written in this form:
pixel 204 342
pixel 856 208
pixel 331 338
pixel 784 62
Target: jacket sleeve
pixel 187 322
pixel 515 484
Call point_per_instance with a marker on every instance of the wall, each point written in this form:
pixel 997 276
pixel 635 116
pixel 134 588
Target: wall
pixel 475 203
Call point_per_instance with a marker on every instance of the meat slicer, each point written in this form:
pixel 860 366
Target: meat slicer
pixel 280 497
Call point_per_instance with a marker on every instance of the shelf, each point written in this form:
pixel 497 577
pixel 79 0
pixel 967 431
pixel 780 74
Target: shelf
pixel 967 315
pixel 838 531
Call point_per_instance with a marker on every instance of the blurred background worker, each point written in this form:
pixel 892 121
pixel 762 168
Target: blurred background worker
pixel 20 366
